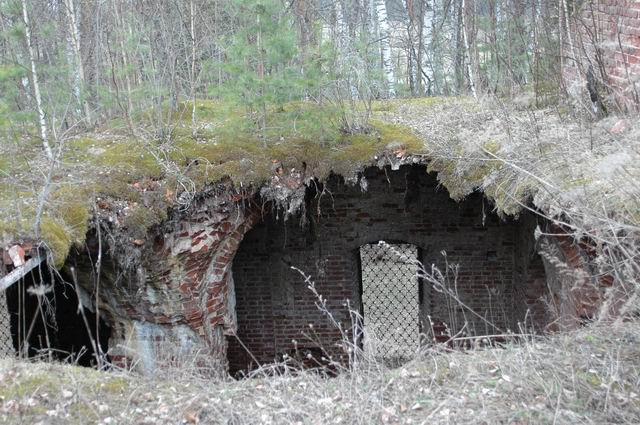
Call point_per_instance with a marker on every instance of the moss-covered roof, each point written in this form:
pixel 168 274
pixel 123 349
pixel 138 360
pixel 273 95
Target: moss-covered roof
pixel 548 159
pixel 150 174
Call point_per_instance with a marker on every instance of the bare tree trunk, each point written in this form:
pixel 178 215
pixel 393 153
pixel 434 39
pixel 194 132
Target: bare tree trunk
pixel 97 53
pixel 80 80
pixel 192 19
pixel 536 59
pixel 459 52
pixel 432 47
pixel 385 45
pixel 36 86
pixel 125 60
pixel 414 56
pixel 261 63
pixel 468 54
pixel 508 18
pixel 569 37
pixel 420 52
pixel 494 40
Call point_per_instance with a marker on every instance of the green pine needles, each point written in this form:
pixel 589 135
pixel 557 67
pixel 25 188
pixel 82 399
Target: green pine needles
pixel 264 67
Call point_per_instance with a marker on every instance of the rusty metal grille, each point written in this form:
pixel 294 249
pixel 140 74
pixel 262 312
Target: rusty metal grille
pixel 390 300
pixel 6 344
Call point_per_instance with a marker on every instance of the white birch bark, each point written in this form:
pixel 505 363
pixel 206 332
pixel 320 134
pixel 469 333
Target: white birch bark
pixel 192 18
pixel 385 46
pixel 467 53
pixel 429 25
pixel 568 25
pixel 80 81
pixel 36 85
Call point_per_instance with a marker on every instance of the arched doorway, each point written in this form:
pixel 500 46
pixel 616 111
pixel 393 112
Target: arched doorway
pixel 489 259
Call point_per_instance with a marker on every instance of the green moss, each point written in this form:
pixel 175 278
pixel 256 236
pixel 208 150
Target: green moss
pixel 492 146
pixel 71 205
pixel 238 153
pixel 130 156
pixel 57 238
pixel 76 217
pixel 207 111
pixel 115 385
pixel 390 133
pixel 227 145
pixel 115 187
pixel 383 106
pixel 84 412
pixel 434 100
pixel 442 374
pixel 580 181
pixel 491 383
pixel 509 198
pixel 140 219
pixel 590 378
pixel 26 387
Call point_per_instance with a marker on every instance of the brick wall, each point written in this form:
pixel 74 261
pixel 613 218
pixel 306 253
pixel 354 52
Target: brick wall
pixel 531 295
pixel 606 36
pixel 274 308
pixel 173 299
pixel 169 298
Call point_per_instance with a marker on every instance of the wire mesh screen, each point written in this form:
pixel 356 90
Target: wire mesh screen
pixel 390 299
pixel 6 344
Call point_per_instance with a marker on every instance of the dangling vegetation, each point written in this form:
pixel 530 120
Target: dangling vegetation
pixel 102 95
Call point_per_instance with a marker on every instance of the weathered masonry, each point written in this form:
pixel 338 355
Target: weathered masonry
pixel 490 265
pixel 213 285
pixel 603 52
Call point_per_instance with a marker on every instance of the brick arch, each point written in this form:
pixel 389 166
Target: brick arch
pixel 193 278
pixel 273 305
pixel 577 291
pixel 217 284
pixel 178 305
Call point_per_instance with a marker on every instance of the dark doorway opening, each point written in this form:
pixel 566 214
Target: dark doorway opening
pixel 488 263
pixel 46 322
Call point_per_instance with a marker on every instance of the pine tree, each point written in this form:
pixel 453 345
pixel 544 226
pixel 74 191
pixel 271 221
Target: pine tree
pixel 263 64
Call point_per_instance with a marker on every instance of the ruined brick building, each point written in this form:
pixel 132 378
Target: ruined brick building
pixel 222 284
pixel 335 243
pixel 215 286
pixel 602 52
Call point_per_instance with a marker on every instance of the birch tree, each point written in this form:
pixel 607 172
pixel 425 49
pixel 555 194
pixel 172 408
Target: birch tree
pixel 467 50
pixel 79 73
pixel 147 60
pixel 42 120
pixel 192 70
pixel 385 46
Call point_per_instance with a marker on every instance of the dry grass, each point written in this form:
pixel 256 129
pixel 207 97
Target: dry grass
pixel 589 376
pixel 580 175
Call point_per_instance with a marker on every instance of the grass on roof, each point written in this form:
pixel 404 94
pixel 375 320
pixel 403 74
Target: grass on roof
pixel 144 172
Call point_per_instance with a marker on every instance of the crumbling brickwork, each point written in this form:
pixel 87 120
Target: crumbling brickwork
pixel 531 294
pixel 275 308
pixel 604 46
pixel 172 298
pixel 176 302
